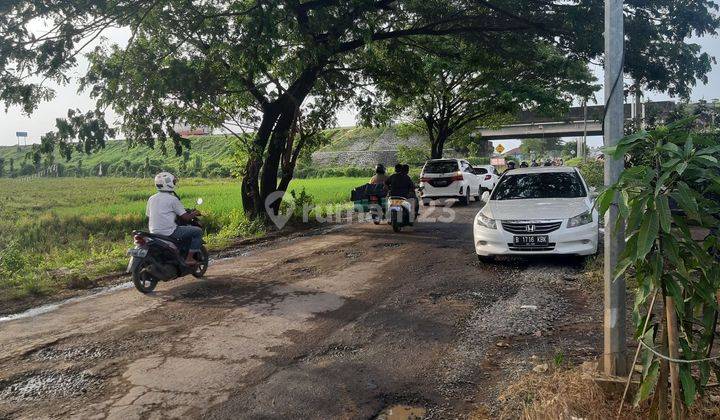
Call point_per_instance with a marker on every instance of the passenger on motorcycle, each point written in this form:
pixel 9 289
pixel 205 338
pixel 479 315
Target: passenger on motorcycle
pixel 379 177
pixel 162 209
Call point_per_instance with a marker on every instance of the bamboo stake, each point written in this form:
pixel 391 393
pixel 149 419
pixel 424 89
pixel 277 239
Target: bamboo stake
pixel 672 335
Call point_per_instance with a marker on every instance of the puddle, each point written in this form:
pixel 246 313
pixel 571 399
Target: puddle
pixel 402 412
pixel 32 312
pixel 43 385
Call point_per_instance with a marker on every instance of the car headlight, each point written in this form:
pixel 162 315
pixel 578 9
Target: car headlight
pixel 485 221
pixel 580 219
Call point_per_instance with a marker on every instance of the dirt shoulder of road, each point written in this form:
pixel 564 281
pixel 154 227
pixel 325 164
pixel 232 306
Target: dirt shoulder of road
pixel 10 306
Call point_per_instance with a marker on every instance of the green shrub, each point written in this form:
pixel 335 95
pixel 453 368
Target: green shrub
pixel 594 173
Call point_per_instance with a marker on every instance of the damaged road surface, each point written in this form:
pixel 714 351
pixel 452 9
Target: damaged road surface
pixel 355 323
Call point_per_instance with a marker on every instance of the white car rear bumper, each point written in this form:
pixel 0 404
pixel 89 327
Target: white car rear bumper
pixel 455 189
pixel 582 240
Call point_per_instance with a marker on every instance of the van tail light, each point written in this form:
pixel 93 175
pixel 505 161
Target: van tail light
pixel 458 176
pixel 488 177
pixel 139 240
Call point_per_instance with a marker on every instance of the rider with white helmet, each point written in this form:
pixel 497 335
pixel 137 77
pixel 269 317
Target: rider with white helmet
pixel 162 209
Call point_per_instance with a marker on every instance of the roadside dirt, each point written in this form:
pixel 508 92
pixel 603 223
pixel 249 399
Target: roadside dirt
pixel 355 323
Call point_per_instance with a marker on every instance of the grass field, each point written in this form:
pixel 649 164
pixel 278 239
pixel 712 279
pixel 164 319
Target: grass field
pixel 63 232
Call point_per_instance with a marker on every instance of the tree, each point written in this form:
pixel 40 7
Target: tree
pixel 540 147
pixel 460 86
pixel 568 149
pixel 2 167
pixel 12 168
pixel 669 194
pixel 246 65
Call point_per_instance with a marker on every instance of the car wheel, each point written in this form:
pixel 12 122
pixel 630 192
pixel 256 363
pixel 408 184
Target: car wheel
pixel 464 200
pixel 486 259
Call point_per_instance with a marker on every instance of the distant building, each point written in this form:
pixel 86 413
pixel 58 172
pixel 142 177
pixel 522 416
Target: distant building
pixel 187 130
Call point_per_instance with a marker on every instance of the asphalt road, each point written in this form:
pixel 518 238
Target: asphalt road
pixel 352 323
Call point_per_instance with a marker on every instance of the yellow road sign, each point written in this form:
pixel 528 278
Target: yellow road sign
pixel 500 148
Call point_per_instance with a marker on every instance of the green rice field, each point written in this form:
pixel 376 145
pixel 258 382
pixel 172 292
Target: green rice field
pixel 61 233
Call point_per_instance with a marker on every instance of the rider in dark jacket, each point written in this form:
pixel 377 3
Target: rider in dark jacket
pixel 401 185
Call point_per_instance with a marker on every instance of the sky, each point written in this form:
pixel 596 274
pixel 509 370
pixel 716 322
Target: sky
pixel 43 119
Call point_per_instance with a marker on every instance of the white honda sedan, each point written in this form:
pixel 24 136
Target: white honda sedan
pixel 542 210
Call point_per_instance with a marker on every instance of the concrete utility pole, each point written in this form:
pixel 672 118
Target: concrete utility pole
pixel 614 351
pixel 582 144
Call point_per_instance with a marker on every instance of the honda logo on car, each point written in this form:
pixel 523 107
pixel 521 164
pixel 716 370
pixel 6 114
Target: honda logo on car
pixel 530 228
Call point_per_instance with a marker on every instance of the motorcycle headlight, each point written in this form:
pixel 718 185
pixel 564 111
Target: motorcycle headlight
pixel 580 219
pixel 485 221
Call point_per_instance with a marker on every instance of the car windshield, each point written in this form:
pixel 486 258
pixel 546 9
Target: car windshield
pixel 539 185
pixel 441 167
pixel 481 171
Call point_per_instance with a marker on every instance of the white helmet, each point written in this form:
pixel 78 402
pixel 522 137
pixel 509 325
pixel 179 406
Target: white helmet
pixel 165 181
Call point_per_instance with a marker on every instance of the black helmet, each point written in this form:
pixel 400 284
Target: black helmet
pixel 380 168
pixel 511 164
pixel 398 168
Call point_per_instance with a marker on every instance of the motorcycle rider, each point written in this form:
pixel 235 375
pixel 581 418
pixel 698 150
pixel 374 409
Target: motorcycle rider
pixel 162 209
pixel 401 185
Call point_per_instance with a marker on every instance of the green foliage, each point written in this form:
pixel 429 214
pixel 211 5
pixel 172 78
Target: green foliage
pixel 541 147
pixel 414 156
pixel 58 231
pixel 593 172
pixel 120 160
pixel 671 189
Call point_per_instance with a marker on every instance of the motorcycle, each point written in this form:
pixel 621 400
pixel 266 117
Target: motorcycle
pixel 158 258
pixel 399 213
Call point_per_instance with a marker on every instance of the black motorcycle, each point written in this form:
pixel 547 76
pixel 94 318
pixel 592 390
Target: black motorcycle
pixel 162 258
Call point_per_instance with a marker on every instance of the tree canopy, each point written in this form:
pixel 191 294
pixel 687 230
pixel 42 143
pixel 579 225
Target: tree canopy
pixel 255 66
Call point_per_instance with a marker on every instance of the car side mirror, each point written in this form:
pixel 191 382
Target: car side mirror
pixel 485 197
pixel 594 193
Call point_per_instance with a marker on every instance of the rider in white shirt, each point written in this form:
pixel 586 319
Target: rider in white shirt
pixel 162 209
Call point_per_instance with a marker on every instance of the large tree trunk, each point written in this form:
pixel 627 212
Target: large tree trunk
pixel 437 145
pixel 274 129
pixel 250 190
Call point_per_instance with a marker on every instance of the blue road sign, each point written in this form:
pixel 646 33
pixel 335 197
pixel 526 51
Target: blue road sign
pixel 21 134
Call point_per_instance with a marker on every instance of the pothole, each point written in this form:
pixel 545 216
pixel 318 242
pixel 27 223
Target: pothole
pixel 44 385
pixel 402 412
pixel 70 353
pixel 391 245
pixel 352 254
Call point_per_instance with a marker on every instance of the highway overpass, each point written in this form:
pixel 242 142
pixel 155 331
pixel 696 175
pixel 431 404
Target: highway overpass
pixel 578 121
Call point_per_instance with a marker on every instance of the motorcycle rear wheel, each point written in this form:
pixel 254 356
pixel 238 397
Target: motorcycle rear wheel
pixel 144 281
pixel 203 262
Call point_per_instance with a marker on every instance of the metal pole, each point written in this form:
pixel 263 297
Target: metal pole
pixel 583 146
pixel 614 349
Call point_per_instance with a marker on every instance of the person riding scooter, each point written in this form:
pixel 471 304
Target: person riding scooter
pixel 401 185
pixel 162 209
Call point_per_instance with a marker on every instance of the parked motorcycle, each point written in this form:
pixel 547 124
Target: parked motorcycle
pixel 399 213
pixel 158 258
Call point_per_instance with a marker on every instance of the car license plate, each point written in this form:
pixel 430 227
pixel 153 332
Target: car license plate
pixel 394 202
pixel 440 183
pixel 531 240
pixel 138 252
